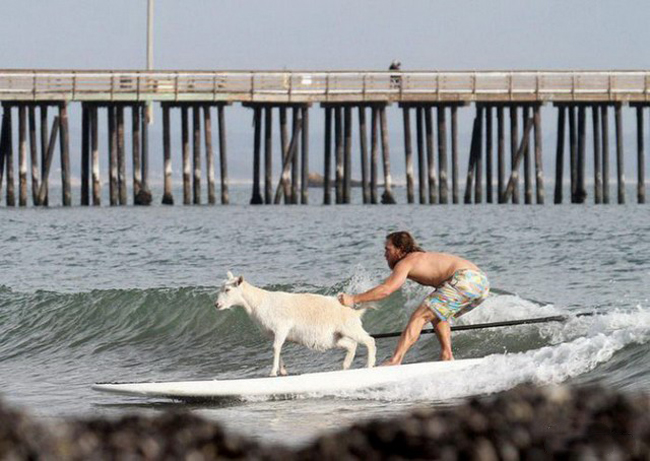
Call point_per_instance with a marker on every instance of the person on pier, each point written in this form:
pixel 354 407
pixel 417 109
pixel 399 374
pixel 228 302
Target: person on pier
pixel 459 287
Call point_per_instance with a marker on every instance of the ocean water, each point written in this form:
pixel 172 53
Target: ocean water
pixel 126 294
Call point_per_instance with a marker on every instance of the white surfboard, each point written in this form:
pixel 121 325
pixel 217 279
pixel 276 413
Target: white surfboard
pixel 308 383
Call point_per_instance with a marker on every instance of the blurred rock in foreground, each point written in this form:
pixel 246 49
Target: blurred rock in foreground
pixel 524 423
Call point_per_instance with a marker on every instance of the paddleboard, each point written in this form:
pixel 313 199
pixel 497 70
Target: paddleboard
pixel 308 383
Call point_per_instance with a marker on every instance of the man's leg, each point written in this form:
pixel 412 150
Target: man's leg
pixel 443 332
pixel 411 333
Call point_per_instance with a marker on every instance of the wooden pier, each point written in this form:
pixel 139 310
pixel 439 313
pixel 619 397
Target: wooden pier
pixel 499 170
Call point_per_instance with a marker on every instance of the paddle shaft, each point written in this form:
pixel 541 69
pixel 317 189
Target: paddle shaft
pixel 478 326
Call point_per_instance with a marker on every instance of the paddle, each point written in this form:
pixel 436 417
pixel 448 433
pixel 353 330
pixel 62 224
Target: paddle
pixel 478 326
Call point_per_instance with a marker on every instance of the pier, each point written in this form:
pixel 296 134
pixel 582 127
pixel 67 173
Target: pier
pixel 504 162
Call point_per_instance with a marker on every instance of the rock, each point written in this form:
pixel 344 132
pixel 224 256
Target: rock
pixel 524 423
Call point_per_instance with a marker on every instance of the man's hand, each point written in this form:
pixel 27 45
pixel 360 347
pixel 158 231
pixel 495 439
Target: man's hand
pixel 346 300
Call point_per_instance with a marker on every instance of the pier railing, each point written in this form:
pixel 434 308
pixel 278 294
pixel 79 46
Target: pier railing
pixel 306 86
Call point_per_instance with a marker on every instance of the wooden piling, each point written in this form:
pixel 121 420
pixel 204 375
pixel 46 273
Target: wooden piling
pixel 347 152
pixel 604 121
pixel 620 159
pixel 296 122
pixel 598 181
pixel 112 155
pixel 442 154
pixel 510 188
pixel 64 139
pixel 514 135
pixel 640 188
pixel 135 152
pixel 196 157
pixel 363 151
pixel 7 149
pixel 185 141
pixel 94 147
pixel 121 154
pixel 22 155
pixel 44 145
pixel 528 185
pixel 3 147
pixel 581 192
pixel 144 197
pixel 33 147
pixel 338 147
pixel 573 153
pixel 85 155
pixel 387 197
pixel 209 154
pixel 3 142
pixel 268 154
pixel 559 153
pixel 49 156
pixel 478 161
pixel 285 176
pixel 374 153
pixel 488 153
pixel 292 152
pixel 168 196
pixel 539 169
pixel 471 163
pixel 433 182
pixel 422 166
pixel 501 154
pixel 304 175
pixel 408 154
pixel 327 190
pixel 223 157
pixel 256 199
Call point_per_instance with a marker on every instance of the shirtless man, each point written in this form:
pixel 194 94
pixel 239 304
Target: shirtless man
pixel 460 286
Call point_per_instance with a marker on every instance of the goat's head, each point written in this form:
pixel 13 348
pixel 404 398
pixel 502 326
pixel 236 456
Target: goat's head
pixel 230 293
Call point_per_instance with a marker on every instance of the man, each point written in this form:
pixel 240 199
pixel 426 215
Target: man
pixel 460 286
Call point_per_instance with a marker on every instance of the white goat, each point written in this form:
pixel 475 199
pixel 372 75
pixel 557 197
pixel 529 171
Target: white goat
pixel 318 322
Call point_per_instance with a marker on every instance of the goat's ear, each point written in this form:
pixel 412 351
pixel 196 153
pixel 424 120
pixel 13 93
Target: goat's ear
pixel 230 276
pixel 239 281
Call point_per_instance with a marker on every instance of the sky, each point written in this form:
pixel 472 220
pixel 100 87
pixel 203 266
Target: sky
pixel 332 35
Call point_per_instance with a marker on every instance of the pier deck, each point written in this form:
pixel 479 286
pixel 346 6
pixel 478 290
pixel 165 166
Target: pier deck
pixel 315 86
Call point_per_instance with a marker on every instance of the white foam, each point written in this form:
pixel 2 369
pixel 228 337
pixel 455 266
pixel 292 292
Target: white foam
pixel 548 365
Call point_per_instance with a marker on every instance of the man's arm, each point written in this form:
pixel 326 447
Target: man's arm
pixel 390 285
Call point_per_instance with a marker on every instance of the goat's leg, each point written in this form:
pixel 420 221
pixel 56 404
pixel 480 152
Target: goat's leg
pixel 350 346
pixel 361 336
pixel 283 370
pixel 278 341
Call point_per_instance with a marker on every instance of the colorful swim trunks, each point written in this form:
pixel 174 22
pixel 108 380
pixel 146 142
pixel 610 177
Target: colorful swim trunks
pixel 458 295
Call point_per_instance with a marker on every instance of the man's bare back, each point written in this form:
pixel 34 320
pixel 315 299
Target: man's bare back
pixel 432 269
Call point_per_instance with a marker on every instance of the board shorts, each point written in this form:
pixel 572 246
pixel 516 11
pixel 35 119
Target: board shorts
pixel 458 295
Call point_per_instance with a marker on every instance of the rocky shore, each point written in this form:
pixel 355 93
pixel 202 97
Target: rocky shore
pixel 524 423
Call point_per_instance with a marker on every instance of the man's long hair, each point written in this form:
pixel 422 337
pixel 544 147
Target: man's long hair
pixel 404 241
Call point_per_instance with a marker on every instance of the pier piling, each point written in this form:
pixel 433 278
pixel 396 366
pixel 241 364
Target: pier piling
pixel 488 153
pixel 196 154
pixel 620 165
pixel 94 147
pixel 598 181
pixel 33 147
pixel 433 182
pixel 408 153
pixel 363 152
pixel 22 155
pixel 559 153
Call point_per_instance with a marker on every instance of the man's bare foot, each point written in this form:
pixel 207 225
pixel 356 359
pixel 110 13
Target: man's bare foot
pixel 446 356
pixel 389 363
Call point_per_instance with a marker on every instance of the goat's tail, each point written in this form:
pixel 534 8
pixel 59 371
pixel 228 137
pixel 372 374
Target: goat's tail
pixel 362 310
